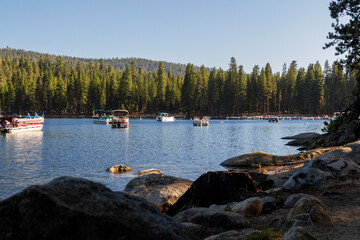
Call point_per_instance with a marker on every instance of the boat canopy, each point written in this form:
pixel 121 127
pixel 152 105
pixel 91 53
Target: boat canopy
pixel 121 112
pixel 162 113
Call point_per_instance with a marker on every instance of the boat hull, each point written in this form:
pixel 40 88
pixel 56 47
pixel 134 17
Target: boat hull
pixel 22 129
pixel 9 125
pixel 165 119
pixel 102 121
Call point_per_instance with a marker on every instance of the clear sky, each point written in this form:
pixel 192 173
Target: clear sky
pixel 202 32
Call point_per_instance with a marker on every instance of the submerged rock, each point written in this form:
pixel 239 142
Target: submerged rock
pixel 119 169
pixel 219 188
pixel 149 172
pixel 74 208
pixel 161 190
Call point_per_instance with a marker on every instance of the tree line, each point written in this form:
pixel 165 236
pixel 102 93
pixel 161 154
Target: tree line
pixel 59 86
pixel 117 63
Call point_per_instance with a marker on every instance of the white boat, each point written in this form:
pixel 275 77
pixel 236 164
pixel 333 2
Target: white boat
pixel 164 117
pixel 120 119
pixel 21 124
pixel 102 117
pixel 203 122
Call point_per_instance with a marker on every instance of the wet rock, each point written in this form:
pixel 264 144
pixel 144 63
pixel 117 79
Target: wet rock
pixel 251 206
pixel 324 172
pixel 219 188
pixel 149 172
pixel 298 233
pixel 161 190
pixel 266 159
pixel 74 208
pixel 216 221
pixel 293 198
pixel 119 169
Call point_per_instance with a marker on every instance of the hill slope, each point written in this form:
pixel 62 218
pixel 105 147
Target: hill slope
pixel 117 63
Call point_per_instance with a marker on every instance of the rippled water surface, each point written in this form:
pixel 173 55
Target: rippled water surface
pixel 77 147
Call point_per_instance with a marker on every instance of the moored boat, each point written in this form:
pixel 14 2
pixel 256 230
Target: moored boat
pixel 21 124
pixel 102 117
pixel 164 117
pixel 120 119
pixel 203 122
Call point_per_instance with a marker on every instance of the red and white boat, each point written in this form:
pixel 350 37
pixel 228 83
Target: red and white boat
pixel 20 124
pixel 120 119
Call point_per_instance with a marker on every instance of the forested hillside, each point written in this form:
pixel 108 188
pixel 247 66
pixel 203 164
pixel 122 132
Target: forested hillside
pixel 116 63
pixel 60 85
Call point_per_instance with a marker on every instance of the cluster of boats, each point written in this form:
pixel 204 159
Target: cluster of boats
pixel 117 118
pixel 31 122
pixel 120 118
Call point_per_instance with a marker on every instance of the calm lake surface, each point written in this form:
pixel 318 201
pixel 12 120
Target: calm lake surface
pixel 77 147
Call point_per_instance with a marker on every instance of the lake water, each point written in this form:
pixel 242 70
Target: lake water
pixel 77 147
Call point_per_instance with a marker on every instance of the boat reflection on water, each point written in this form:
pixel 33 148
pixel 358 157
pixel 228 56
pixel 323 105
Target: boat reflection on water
pixel 23 146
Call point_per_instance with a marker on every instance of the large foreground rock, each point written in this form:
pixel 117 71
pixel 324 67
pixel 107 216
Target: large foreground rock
pixel 161 190
pixel 266 159
pixel 219 188
pixel 74 208
pixel 328 170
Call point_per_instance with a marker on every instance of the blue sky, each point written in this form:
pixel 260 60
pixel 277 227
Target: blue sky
pixel 202 32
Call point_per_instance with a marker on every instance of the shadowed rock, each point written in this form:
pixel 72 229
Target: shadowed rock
pixel 216 221
pixel 74 208
pixel 219 188
pixel 350 134
pixel 303 136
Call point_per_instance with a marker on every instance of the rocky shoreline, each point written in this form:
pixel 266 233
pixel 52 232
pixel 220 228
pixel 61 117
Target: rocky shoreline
pixel 314 195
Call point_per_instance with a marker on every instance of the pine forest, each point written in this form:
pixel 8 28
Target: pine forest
pixel 64 85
